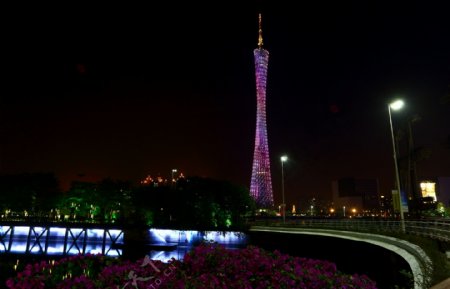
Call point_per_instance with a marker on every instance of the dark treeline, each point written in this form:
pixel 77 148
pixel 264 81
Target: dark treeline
pixel 37 192
pixel 188 203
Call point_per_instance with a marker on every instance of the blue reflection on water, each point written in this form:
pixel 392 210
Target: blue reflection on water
pixel 184 241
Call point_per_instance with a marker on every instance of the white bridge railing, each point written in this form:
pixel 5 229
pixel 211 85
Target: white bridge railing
pixel 436 229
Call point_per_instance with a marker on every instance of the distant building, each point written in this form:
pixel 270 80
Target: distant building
pixel 356 196
pixel 160 181
pixel 386 208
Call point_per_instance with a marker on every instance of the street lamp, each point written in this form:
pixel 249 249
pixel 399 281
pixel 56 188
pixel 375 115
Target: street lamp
pixel 283 159
pixel 396 105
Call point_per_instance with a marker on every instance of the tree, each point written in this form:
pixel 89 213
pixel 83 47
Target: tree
pixel 211 204
pixel 194 203
pixel 114 199
pixel 106 201
pixel 36 193
pixel 80 201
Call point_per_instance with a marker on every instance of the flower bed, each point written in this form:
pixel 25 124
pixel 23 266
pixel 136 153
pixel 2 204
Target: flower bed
pixel 206 266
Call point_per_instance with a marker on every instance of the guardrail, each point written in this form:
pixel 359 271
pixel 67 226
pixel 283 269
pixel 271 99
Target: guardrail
pixel 58 240
pixel 436 229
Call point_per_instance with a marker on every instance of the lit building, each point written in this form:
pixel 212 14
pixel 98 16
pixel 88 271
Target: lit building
pixel 160 181
pixel 437 189
pixel 428 190
pixel 261 181
pixel 147 181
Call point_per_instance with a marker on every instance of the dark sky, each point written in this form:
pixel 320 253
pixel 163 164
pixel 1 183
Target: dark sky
pixel 127 91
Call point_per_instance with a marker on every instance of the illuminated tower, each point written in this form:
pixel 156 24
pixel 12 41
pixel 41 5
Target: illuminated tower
pixel 261 183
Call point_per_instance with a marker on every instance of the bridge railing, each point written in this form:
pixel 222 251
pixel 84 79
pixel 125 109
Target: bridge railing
pixel 436 229
pixel 59 240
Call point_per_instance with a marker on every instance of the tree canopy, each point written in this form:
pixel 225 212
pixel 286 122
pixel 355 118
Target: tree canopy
pixel 189 203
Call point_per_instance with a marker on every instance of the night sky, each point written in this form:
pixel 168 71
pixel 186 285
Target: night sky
pixel 127 91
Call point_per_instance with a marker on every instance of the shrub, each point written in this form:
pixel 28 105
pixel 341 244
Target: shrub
pixel 206 266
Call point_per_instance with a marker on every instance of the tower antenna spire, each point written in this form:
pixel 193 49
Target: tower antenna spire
pixel 260 38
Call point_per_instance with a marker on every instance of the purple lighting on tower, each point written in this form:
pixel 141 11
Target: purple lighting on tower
pixel 261 183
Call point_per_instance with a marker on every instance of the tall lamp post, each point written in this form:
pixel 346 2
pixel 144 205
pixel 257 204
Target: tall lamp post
pixel 283 159
pixel 396 105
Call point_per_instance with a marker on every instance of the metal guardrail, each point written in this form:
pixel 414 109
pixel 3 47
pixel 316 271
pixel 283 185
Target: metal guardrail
pixel 58 240
pixel 436 229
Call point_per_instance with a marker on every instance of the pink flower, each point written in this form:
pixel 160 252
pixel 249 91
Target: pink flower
pixel 206 266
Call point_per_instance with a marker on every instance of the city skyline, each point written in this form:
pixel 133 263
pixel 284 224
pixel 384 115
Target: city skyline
pixel 131 93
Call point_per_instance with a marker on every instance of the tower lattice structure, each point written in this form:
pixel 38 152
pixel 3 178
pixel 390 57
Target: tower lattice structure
pixel 261 182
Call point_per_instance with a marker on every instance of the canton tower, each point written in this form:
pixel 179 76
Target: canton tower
pixel 261 183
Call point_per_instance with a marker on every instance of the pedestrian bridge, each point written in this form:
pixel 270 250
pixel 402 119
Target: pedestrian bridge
pixel 373 232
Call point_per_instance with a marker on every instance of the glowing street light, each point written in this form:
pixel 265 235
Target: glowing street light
pixel 283 159
pixel 396 105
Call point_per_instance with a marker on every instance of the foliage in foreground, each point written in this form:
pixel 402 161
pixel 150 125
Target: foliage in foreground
pixel 435 250
pixel 206 266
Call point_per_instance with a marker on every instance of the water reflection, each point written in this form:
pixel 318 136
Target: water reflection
pixel 178 242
